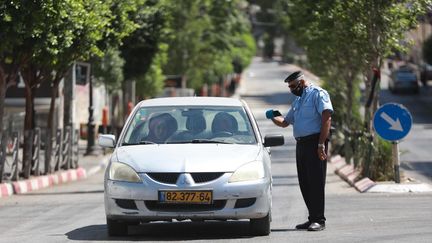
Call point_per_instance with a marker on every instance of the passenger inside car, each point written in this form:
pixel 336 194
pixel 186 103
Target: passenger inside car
pixel 224 124
pixel 195 125
pixel 160 128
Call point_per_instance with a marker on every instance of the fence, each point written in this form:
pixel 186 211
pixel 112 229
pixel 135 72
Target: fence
pixel 64 155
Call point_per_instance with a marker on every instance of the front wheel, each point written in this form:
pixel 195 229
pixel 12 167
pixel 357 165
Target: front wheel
pixel 261 226
pixel 116 228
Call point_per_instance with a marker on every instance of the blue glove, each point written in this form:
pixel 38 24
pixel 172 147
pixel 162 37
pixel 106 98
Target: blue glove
pixel 269 114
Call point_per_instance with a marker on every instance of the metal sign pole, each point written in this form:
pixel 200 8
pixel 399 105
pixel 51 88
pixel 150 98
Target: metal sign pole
pixel 396 161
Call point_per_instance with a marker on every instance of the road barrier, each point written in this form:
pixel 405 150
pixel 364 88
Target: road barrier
pixel 3 140
pixel 16 162
pixel 65 153
pixel 36 152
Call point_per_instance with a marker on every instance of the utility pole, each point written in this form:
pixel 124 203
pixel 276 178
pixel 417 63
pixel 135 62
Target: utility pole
pixel 90 124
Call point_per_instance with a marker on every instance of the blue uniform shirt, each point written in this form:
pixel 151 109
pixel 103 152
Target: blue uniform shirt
pixel 306 110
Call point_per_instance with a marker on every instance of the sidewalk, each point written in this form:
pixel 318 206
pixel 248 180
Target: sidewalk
pixel 348 173
pixel 87 166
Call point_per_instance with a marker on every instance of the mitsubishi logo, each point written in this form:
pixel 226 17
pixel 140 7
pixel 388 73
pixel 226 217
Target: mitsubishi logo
pixel 185 179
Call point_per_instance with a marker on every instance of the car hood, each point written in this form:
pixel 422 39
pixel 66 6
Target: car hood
pixel 187 157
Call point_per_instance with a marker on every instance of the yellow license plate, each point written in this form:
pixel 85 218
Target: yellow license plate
pixel 197 197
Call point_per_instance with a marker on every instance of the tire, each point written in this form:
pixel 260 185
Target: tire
pixel 261 226
pixel 116 228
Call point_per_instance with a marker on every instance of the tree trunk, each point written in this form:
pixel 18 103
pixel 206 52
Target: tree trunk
pixel 50 127
pixel 2 98
pixel 28 131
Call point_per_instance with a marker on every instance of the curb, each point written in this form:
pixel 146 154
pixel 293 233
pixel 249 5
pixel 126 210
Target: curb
pixel 351 175
pixel 37 183
pixel 6 190
pixel 21 187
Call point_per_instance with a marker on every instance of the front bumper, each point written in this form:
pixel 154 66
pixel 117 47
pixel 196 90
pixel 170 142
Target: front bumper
pixel 239 200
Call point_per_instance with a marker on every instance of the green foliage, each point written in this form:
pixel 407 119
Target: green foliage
pixel 382 167
pixel 209 39
pixel 108 70
pixel 151 83
pixel 142 45
pixel 243 51
pixel 337 90
pixel 344 40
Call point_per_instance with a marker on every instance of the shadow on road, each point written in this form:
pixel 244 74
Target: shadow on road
pixel 163 231
pixel 62 193
pixel 282 98
pixel 419 105
pixel 424 167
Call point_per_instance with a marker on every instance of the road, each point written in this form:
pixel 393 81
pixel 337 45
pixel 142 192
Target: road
pixel 416 159
pixel 74 212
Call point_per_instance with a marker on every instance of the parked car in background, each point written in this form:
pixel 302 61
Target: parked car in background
pixel 425 73
pixel 197 158
pixel 403 79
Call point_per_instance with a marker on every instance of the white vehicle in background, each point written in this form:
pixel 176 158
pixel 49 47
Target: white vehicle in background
pixel 197 158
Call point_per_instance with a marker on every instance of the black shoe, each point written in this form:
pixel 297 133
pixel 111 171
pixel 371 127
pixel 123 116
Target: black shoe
pixel 305 225
pixel 316 226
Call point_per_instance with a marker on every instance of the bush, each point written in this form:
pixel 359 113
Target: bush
pixel 381 169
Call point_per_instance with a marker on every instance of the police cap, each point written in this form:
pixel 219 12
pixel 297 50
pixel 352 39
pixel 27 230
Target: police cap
pixel 294 76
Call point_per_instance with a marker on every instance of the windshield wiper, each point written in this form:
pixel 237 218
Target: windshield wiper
pixel 208 141
pixel 146 142
pixel 199 141
pixel 140 143
pixel 127 144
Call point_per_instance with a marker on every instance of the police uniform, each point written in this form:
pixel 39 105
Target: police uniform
pixel 305 116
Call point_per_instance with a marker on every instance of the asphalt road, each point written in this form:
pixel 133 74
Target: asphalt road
pixel 74 212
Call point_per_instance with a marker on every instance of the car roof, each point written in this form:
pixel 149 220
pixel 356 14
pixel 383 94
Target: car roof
pixel 191 101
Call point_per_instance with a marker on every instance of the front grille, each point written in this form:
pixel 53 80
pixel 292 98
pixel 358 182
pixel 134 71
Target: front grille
pixel 126 204
pixel 244 202
pixel 169 178
pixel 173 207
pixel 205 177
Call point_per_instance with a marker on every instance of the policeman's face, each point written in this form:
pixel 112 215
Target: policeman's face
pixel 294 84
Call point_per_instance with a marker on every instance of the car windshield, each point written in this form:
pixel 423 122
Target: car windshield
pixel 192 124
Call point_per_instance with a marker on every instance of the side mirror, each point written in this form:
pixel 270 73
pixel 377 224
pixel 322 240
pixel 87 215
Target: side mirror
pixel 107 140
pixel 273 140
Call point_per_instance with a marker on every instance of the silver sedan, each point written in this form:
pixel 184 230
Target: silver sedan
pixel 197 158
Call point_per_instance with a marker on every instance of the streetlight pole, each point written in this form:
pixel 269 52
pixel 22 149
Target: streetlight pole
pixel 90 124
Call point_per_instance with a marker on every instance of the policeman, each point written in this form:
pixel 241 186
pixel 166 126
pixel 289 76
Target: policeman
pixel 310 115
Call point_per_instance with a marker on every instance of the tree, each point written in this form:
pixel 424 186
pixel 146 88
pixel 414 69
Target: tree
pixel 53 34
pixel 344 39
pixel 209 38
pixel 15 33
pixel 151 83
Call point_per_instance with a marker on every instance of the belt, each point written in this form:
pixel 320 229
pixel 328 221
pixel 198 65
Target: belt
pixel 307 138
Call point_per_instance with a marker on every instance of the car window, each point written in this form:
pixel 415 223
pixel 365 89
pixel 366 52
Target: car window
pixel 406 76
pixel 193 124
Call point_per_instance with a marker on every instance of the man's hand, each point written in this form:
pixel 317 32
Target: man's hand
pixel 269 114
pixel 321 153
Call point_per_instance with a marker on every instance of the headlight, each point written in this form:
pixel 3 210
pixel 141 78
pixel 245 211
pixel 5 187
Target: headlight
pixel 248 172
pixel 122 172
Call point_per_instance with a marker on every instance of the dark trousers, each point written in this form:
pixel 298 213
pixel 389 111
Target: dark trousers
pixel 312 175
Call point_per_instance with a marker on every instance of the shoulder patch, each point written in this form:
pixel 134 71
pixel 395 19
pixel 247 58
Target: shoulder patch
pixel 324 95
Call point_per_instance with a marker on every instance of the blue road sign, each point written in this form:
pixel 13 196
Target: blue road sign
pixel 392 121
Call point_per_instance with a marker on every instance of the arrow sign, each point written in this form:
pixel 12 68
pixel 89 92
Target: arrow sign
pixel 392 121
pixel 394 125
